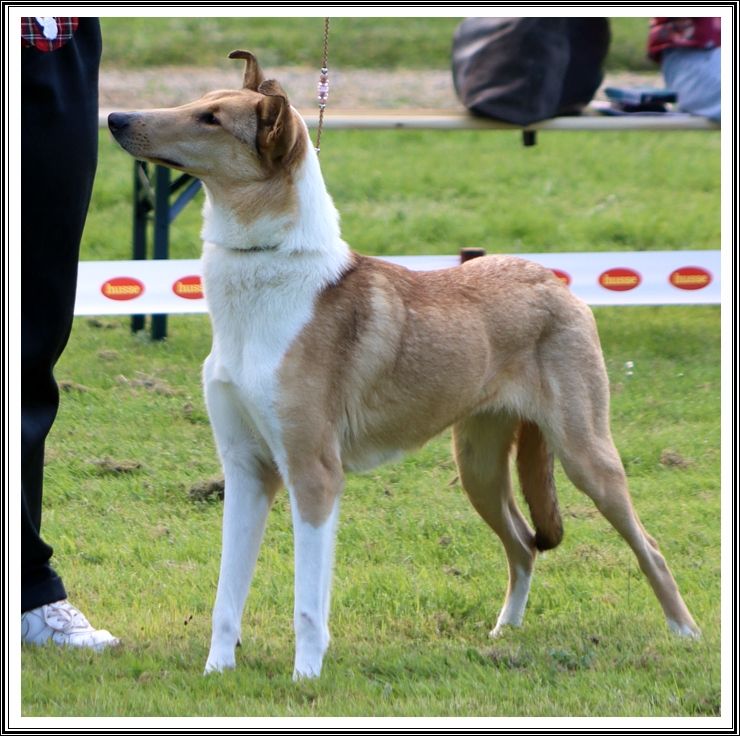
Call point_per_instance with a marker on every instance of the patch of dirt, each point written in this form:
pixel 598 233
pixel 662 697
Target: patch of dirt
pixel 148 383
pixel 71 386
pixel 207 490
pixel 99 324
pixel 673 459
pixel 116 467
pixel 349 89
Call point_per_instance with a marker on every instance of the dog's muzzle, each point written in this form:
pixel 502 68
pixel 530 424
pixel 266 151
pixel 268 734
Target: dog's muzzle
pixel 119 121
pixel 131 139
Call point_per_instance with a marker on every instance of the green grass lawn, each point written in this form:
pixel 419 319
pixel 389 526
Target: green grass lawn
pixel 358 42
pixel 419 578
pixel 425 192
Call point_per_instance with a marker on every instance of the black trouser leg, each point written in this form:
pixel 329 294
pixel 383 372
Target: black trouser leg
pixel 59 99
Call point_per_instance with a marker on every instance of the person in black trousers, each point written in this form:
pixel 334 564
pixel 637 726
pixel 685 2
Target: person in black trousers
pixel 59 140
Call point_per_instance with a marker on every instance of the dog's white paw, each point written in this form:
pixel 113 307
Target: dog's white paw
pixel 312 641
pixel 216 663
pixel 501 627
pixel 306 673
pixel 690 631
pixel 307 667
pixel 498 630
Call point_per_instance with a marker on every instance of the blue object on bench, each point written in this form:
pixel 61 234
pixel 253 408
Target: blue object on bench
pixel 640 99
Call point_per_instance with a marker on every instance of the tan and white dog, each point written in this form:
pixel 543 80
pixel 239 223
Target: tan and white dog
pixel 325 361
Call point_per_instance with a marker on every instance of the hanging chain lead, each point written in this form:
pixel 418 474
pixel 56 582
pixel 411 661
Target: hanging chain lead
pixel 323 86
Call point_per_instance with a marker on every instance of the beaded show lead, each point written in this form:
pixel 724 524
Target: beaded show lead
pixel 323 86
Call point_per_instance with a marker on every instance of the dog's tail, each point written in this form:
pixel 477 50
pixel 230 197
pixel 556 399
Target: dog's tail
pixel 534 462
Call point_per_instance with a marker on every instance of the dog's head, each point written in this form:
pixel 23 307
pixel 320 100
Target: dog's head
pixel 250 134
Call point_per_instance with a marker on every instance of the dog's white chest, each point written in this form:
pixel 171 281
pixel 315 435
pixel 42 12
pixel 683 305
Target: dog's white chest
pixel 258 308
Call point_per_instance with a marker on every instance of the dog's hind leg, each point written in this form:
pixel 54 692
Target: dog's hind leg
pixel 482 444
pixel 582 441
pixel 315 489
pixel 250 487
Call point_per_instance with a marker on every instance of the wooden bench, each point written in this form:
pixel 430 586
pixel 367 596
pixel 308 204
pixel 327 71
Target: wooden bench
pixel 158 195
pixel 592 119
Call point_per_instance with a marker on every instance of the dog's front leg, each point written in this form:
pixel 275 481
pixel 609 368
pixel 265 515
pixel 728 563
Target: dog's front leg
pixel 315 514
pixel 245 513
pixel 249 490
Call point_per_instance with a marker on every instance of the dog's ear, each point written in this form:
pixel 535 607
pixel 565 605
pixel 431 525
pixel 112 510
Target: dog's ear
pixel 276 126
pixel 253 75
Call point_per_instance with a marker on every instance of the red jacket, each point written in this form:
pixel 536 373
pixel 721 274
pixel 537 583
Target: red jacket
pixel 670 33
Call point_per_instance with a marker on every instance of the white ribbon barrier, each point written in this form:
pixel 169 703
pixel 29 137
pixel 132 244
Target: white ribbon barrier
pixel 632 278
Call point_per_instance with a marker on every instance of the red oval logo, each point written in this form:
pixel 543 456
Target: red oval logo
pixel 122 288
pixel 620 279
pixel 690 278
pixel 564 277
pixel 188 287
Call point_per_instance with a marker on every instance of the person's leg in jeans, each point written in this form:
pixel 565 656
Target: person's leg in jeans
pixel 694 74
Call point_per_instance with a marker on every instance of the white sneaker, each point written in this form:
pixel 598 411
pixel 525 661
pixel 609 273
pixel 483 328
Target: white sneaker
pixel 63 624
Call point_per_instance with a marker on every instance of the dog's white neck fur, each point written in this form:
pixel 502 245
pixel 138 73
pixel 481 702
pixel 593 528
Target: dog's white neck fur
pixel 312 228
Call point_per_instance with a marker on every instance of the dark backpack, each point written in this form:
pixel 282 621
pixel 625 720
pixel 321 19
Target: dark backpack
pixel 521 70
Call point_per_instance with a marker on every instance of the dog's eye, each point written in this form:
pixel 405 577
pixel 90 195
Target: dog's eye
pixel 208 118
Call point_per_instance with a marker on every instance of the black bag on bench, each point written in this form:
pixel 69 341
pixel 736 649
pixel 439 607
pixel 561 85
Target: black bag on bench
pixel 522 70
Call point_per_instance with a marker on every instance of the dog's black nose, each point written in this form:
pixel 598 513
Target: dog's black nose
pixel 117 121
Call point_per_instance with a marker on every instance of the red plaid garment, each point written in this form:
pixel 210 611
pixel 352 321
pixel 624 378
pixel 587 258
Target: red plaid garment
pixel 61 30
pixel 671 33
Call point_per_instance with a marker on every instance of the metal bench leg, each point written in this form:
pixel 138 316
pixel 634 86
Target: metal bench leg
pixel 142 206
pixel 161 237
